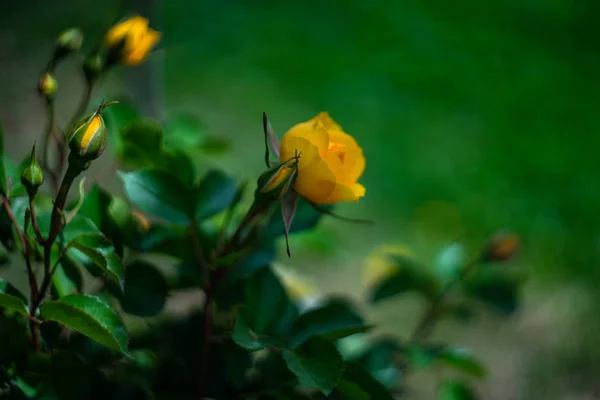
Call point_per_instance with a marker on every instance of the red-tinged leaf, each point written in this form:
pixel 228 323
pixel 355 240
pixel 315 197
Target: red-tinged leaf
pixel 289 203
pixel 271 139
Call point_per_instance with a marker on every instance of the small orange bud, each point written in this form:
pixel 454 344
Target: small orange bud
pixel 141 221
pixel 501 247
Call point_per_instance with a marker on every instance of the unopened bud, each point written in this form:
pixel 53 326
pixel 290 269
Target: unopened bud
pixel 501 247
pixel 89 139
pixel 275 182
pixel 32 176
pixel 48 87
pixel 68 42
pixel 93 66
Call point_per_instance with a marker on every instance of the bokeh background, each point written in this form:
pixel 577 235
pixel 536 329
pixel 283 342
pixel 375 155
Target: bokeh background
pixel 474 117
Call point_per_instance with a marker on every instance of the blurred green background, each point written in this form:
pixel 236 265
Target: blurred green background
pixel 474 117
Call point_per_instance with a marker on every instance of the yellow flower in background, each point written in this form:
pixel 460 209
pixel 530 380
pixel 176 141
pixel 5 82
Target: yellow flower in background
pixel 379 266
pixel 134 38
pixel 330 161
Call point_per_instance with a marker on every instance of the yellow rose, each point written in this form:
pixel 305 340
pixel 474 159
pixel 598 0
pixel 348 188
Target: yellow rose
pixel 135 37
pixel 330 161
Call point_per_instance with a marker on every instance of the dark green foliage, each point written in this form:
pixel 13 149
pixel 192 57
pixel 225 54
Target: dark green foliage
pixel 90 316
pixel 317 364
pixel 169 290
pixel 145 290
pixel 409 276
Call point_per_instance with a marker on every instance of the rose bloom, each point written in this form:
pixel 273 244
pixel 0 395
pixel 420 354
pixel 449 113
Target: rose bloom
pixel 330 161
pixel 138 36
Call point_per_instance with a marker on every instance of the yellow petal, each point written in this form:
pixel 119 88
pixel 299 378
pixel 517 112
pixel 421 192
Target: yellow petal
pixel 138 54
pixel 358 190
pixel 317 136
pixel 336 166
pixel 90 132
pixel 341 137
pixel 344 192
pixel 120 30
pixel 290 145
pixel 315 182
pixel 326 120
pixel 354 164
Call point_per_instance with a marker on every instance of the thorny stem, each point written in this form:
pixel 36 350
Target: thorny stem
pixel 36 228
pixel 430 318
pixel 56 225
pixel 207 319
pixel 210 284
pixel 33 287
pixel 252 213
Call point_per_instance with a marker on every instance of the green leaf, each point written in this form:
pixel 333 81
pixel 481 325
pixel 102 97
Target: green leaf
pixel 12 299
pixel 180 161
pixel 95 205
pixel 458 358
pixel 4 259
pixel 463 360
pixel 215 194
pixel 184 131
pixel 379 360
pixel 258 259
pixel 454 389
pixel 244 337
pixel 215 145
pixel 145 291
pixel 141 144
pixel 25 389
pixel 90 316
pixel 267 307
pixel 8 288
pixel 499 291
pixel 67 278
pixel 75 209
pixel 357 374
pixel 408 276
pixel 107 261
pixel 160 193
pixel 336 319
pixel 316 363
pixel 119 212
pixel 117 118
pixel 79 227
pixel 349 390
pixel 3 177
pixel 13 172
pixel 450 261
pixel 305 217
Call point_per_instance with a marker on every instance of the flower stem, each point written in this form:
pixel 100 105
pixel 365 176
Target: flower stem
pixel 56 226
pixel 207 320
pixel 33 287
pixel 50 132
pixel 36 228
pixel 430 318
